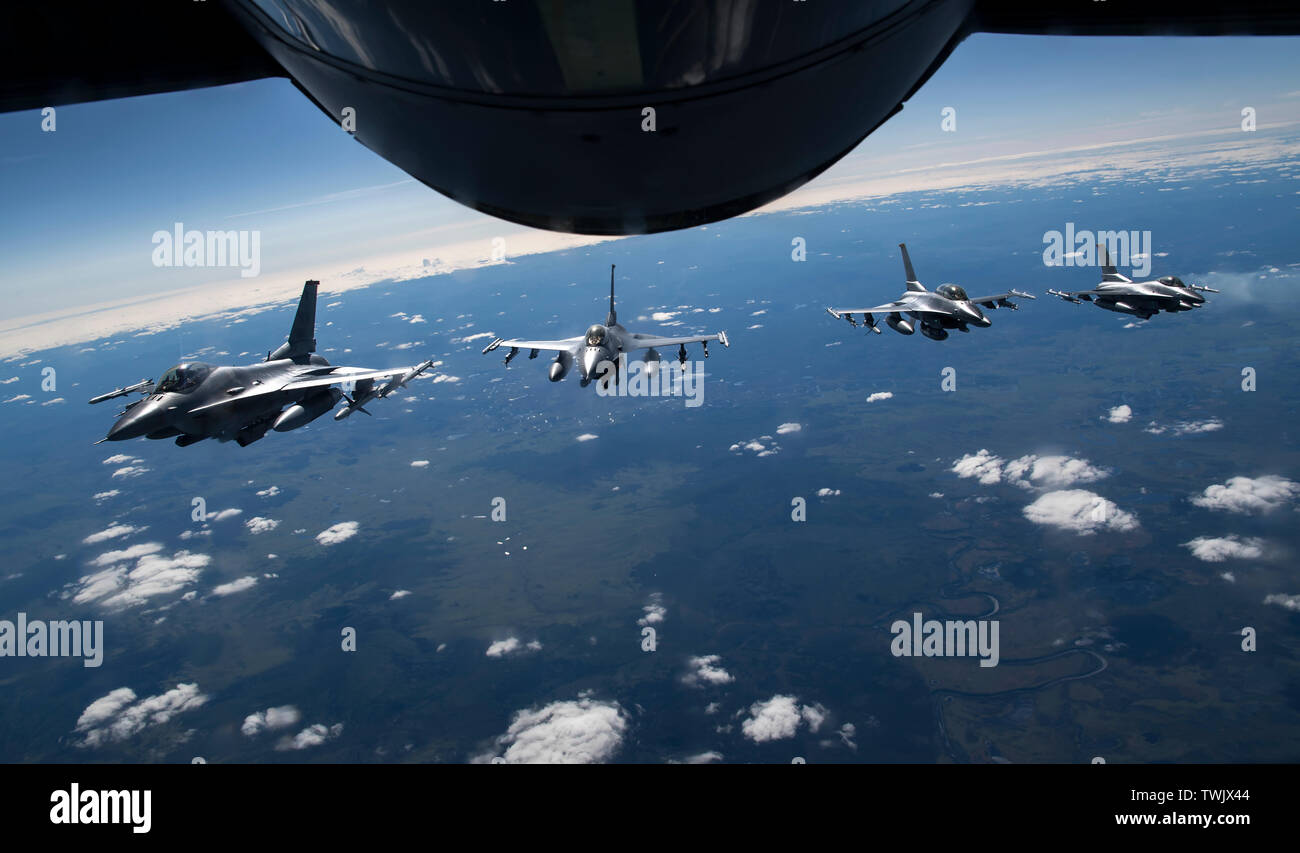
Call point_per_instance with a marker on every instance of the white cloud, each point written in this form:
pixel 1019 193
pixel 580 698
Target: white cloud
pixel 1028 472
pixel 786 429
pixel 103 496
pixel 1079 510
pixel 654 610
pixel 118 459
pixel 260 524
pixel 1218 549
pixel 587 436
pixel 120 585
pixel 779 718
pixel 704 758
pixel 1051 472
pixel 1290 602
pixel 244 583
pixel 131 471
pixel 280 717
pixel 511 645
pixel 1184 427
pixel 420 463
pixel 827 493
pixel 269 492
pixel 223 515
pixel 1249 495
pixel 401 593
pixel 1120 415
pixel 113 531
pixel 117 716
pixel 584 731
pixel 983 466
pixel 880 395
pixel 337 533
pixel 314 735
pixel 704 671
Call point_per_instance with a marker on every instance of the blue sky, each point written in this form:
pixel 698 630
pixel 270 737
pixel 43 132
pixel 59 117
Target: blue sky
pixel 80 205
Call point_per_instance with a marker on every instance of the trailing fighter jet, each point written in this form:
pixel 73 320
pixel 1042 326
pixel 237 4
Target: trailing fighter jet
pixel 194 401
pixel 947 307
pixel 602 343
pixel 1140 298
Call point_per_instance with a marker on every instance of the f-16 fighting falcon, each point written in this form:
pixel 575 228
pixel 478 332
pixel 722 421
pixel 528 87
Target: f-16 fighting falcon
pixel 1140 298
pixel 194 401
pixel 602 344
pixel 947 307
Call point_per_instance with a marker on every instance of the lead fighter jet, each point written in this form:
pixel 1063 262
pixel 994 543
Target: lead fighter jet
pixel 1139 298
pixel 602 343
pixel 194 401
pixel 947 307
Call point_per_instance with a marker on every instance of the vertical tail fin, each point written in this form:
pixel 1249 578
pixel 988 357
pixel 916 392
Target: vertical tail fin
pixel 912 283
pixel 302 334
pixel 612 319
pixel 1108 271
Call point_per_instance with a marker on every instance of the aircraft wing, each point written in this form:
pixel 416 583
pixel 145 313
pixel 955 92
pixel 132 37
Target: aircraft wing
pixel 647 341
pixel 999 300
pixel 313 379
pixel 904 304
pixel 565 345
pixel 1075 295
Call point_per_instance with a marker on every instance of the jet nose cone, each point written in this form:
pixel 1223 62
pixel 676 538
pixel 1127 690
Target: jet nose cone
pixel 975 316
pixel 590 364
pixel 142 419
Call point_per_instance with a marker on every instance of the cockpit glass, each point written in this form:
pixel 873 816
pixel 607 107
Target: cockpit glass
pixel 953 292
pixel 595 336
pixel 183 378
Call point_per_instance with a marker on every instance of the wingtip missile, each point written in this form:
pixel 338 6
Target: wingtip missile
pixel 122 392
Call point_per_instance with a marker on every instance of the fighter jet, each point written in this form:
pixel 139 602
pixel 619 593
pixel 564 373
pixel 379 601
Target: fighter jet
pixel 947 307
pixel 1139 298
pixel 602 344
pixel 194 401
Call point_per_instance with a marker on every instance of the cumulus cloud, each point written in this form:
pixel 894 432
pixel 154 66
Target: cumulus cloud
pixel 654 610
pixel 880 395
pixel 401 593
pixel 827 493
pixel 259 524
pixel 704 758
pixel 1184 427
pixel 1120 415
pixel 1290 602
pixel 1080 511
pixel 223 515
pixel 117 715
pixel 786 429
pixel 420 463
pixel 314 735
pixel 244 583
pixel 280 717
pixel 118 459
pixel 100 497
pixel 982 466
pixel 510 646
pixel 779 718
pixel 581 731
pixel 1028 472
pixel 1248 495
pixel 113 531
pixel 1218 549
pixel 704 671
pixel 131 471
pixel 587 436
pixel 119 584
pixel 269 492
pixel 341 532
